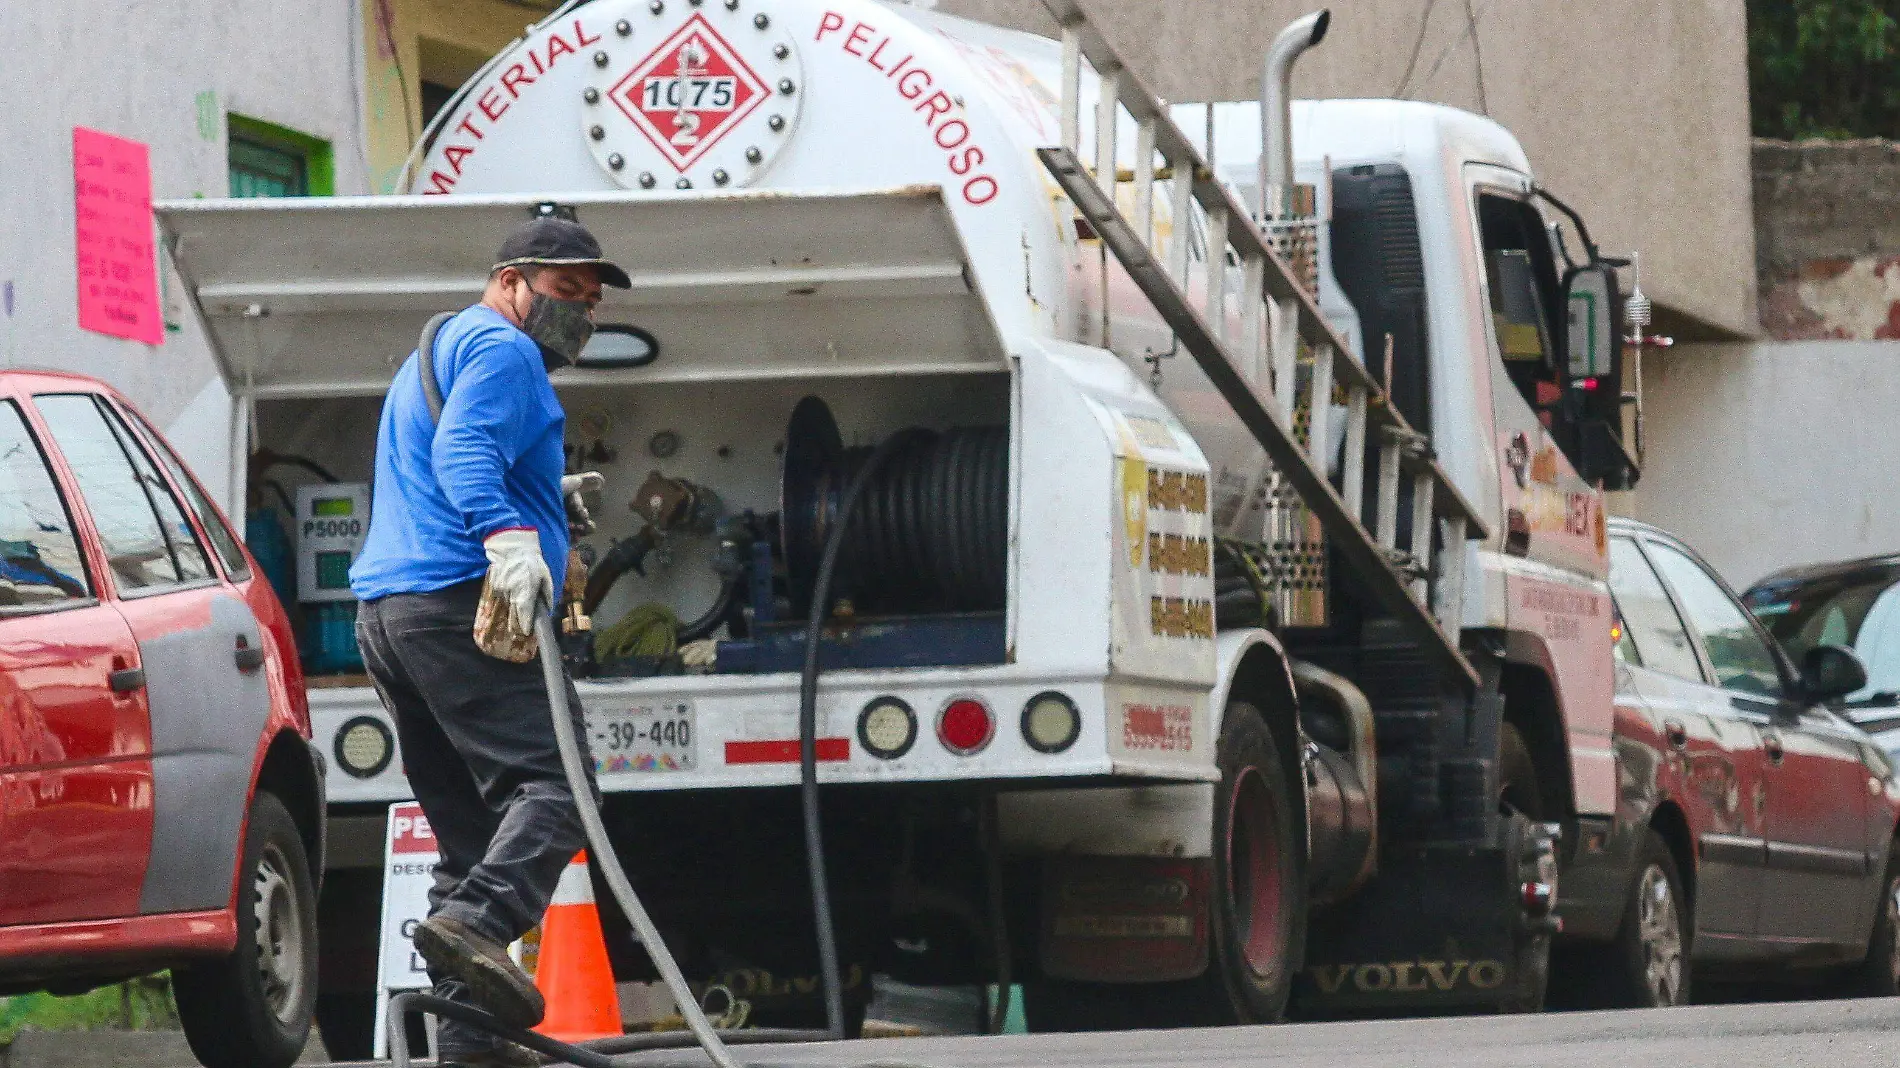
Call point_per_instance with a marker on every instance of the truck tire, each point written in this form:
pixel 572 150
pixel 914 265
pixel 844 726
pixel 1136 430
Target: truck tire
pixel 1520 801
pixel 1258 918
pixel 1647 966
pixel 1257 915
pixel 252 1008
pixel 1879 975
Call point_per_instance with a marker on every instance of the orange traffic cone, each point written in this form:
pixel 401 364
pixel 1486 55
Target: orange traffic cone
pixel 572 972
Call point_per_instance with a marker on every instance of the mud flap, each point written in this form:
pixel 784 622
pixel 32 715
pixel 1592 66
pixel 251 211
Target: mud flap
pixel 1124 919
pixel 1442 927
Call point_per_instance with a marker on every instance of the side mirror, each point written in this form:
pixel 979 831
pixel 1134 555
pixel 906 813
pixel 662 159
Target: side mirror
pixel 617 345
pixel 1590 323
pixel 1829 672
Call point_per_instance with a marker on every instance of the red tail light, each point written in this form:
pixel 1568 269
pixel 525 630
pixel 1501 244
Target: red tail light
pixel 965 726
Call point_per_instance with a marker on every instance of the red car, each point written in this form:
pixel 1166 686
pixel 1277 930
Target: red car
pixel 160 803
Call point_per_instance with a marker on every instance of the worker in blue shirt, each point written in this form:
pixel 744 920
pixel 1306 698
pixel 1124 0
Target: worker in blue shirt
pixel 479 496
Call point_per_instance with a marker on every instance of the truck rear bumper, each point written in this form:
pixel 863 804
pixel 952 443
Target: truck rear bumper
pixel 726 731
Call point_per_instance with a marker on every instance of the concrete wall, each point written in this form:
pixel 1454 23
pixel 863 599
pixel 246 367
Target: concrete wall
pixel 1828 239
pixel 1633 111
pixel 1768 455
pixel 165 74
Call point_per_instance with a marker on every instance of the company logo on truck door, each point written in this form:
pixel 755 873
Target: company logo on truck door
pixel 914 82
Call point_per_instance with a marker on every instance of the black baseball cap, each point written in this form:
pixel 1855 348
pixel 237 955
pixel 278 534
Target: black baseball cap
pixel 552 240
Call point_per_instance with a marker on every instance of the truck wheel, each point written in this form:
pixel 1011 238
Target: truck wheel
pixel 1879 974
pixel 1648 965
pixel 1521 802
pixel 1257 914
pixel 252 1009
pixel 1258 917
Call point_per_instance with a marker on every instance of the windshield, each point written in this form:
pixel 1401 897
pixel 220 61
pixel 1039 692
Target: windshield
pixel 1861 612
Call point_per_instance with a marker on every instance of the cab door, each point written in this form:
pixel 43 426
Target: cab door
pixel 75 738
pixel 1816 882
pixel 199 644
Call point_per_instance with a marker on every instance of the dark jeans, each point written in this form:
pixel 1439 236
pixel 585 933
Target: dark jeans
pixel 478 747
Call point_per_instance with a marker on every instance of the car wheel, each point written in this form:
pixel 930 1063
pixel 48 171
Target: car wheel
pixel 1258 911
pixel 252 1009
pixel 1649 961
pixel 1879 975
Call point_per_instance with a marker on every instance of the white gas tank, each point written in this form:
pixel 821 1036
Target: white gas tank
pixel 662 97
pixel 671 98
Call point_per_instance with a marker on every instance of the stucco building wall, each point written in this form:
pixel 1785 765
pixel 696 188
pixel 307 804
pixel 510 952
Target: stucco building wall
pixel 1769 455
pixel 1634 112
pixel 165 74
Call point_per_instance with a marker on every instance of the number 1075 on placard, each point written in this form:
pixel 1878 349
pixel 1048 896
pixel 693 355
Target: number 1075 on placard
pixel 700 94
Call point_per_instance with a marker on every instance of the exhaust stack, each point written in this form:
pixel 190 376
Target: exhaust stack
pixel 1276 110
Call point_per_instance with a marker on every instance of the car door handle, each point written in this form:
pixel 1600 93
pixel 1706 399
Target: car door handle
pixel 248 659
pixel 1677 734
pixel 126 680
pixel 1772 745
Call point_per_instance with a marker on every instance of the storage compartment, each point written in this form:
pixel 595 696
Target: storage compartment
pixel 717 501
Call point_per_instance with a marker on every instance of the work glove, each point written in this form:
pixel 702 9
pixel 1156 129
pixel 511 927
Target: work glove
pixel 519 576
pixel 579 523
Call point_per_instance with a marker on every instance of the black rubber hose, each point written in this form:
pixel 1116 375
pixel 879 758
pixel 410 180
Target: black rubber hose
pixel 595 1054
pixel 304 462
pixel 710 620
pixel 808 733
pixel 625 556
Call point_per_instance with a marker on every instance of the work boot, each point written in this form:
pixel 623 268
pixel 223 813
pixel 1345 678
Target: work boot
pixel 495 982
pixel 506 1055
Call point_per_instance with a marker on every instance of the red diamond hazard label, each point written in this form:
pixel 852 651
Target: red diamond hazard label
pixel 689 92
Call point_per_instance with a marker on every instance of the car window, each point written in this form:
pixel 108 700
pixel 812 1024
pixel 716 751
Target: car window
pixel 222 539
pixel 1861 612
pixel 40 562
pixel 1737 651
pixel 1650 623
pixel 146 540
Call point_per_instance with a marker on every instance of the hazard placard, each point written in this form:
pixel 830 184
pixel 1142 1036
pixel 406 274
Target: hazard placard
pixel 689 92
pixel 707 106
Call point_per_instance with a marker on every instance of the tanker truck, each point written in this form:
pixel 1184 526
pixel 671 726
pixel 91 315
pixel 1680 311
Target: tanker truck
pixel 1222 631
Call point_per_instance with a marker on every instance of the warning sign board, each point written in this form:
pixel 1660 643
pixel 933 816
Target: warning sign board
pixel 410 855
pixel 689 92
pixel 117 259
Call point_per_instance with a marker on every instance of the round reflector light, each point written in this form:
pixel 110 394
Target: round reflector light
pixel 1051 722
pixel 887 728
pixel 364 747
pixel 965 726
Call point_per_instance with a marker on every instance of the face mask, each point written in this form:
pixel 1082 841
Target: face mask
pixel 560 327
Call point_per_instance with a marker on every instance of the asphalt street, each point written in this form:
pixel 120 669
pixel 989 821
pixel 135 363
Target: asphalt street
pixel 1814 1034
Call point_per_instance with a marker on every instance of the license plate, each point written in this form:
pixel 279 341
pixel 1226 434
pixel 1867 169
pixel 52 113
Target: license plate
pixel 656 737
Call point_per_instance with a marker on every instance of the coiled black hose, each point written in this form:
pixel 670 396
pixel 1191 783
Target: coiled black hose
pixel 932 530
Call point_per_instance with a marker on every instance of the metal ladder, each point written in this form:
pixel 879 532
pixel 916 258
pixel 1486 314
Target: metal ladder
pixel 1424 593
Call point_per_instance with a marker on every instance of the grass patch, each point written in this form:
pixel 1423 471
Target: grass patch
pixel 142 1004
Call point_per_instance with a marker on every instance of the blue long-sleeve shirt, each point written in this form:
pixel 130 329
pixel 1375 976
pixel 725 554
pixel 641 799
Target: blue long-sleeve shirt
pixel 493 463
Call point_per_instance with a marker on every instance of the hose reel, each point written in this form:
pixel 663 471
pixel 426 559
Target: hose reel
pixel 930 535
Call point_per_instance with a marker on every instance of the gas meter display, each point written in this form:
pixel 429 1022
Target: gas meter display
pixel 331 523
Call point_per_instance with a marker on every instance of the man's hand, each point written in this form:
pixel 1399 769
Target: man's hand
pixel 518 574
pixel 579 523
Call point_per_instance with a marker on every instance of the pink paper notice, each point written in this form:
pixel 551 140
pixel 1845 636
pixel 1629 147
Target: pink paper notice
pixel 118 267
